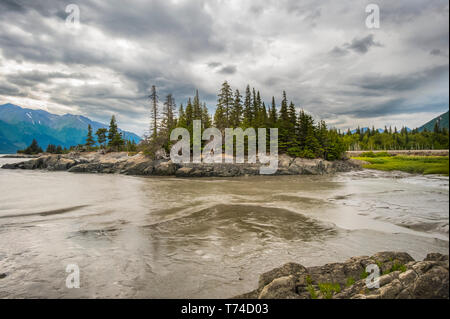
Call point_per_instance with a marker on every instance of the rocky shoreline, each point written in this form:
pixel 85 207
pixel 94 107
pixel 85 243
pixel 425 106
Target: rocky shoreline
pixel 121 163
pixel 401 277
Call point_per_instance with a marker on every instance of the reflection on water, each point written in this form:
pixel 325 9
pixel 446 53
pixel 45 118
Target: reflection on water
pixel 167 237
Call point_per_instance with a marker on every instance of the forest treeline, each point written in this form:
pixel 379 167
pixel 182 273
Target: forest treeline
pixel 298 133
pixel 394 139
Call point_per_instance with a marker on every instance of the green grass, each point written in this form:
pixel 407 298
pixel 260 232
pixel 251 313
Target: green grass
pixel 396 267
pixel 350 282
pixel 364 274
pixel 378 154
pixel 327 290
pixel 410 164
pixel 312 292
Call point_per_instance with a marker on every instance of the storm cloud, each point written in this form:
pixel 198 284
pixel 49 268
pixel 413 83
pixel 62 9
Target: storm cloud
pixel 320 52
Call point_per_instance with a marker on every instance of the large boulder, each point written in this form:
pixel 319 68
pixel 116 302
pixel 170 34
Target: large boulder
pixel 400 277
pixel 280 288
pixel 165 169
pixel 285 270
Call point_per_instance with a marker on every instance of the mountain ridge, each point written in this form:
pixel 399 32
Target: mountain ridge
pixel 18 127
pixel 442 119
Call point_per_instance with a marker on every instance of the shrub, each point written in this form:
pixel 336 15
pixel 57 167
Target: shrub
pixel 327 290
pixel 312 292
pixel 350 281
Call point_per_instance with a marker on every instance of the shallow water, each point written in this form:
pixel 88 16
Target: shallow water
pixel 155 237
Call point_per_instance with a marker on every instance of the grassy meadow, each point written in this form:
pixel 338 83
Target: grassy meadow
pixel 410 164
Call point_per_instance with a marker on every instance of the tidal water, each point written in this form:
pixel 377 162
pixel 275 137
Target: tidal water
pixel 154 237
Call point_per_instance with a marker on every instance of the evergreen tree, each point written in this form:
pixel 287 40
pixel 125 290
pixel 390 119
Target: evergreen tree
pixel 248 119
pixel 189 115
pixel 225 103
pixel 292 115
pixel 114 137
pixel 264 116
pixel 112 129
pixel 206 119
pixel 90 139
pixel 236 111
pixel 51 149
pixel 182 121
pixel 273 114
pixel 168 121
pixel 34 148
pixel 196 107
pixel 101 135
pixel 284 125
pixel 154 113
pixel 220 118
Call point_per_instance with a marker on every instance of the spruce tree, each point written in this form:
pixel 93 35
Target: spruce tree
pixel 189 114
pixel 236 111
pixel 206 119
pixel 182 122
pixel 220 118
pixel 101 135
pixel 284 125
pixel 273 114
pixel 248 119
pixel 90 139
pixel 225 102
pixel 154 113
pixel 112 129
pixel 114 137
pixel 196 107
pixel 168 122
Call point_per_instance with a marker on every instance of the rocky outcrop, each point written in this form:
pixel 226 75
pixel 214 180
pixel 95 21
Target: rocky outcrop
pixel 121 163
pixel 400 277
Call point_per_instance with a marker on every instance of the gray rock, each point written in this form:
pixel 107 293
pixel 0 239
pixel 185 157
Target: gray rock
pixel 285 270
pixel 415 279
pixel 109 163
pixel 436 257
pixel 165 169
pixel 280 288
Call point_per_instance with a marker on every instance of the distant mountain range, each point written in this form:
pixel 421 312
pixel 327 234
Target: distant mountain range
pixel 441 119
pixel 18 127
pixel 380 130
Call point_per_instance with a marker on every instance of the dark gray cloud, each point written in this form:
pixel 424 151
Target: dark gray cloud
pixel 321 53
pixel 10 90
pixel 11 5
pixel 32 78
pixel 362 45
pixel 213 65
pixel 393 107
pixel 338 52
pixel 229 69
pixel 403 82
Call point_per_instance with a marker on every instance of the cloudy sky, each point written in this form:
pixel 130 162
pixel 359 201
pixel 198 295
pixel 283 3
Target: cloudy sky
pixel 320 52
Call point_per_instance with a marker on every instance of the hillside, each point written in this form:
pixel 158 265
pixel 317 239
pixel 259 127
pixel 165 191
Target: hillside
pixel 441 119
pixel 18 127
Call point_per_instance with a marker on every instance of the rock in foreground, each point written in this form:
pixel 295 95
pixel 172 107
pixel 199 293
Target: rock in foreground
pixel 400 278
pixel 121 163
